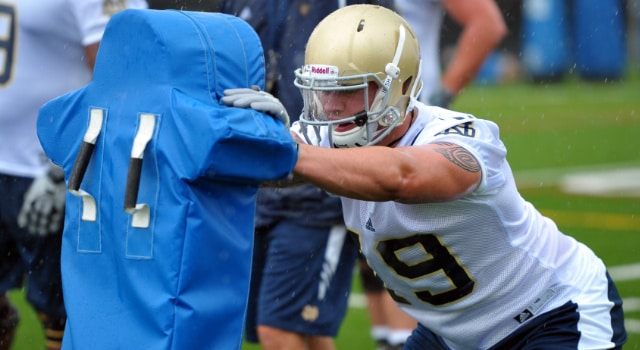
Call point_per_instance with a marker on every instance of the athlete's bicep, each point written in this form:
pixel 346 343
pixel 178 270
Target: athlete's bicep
pixel 447 171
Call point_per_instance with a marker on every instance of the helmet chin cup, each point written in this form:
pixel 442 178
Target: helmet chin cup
pixel 355 137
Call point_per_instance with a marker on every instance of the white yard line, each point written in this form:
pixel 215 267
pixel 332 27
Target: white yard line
pixel 631 304
pixel 624 182
pixel 605 179
pixel 625 272
pixel 632 325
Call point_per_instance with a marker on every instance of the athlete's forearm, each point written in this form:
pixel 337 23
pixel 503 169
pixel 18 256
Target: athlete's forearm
pixel 473 49
pixel 369 173
pixel 434 173
pixel 483 29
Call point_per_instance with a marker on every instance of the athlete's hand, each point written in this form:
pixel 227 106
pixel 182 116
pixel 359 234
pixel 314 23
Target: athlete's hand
pixel 42 212
pixel 441 98
pixel 259 100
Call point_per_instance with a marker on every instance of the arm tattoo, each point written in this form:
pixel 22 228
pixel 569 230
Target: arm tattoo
pixel 459 156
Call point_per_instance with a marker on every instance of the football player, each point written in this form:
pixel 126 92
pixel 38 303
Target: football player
pixel 303 257
pixel 433 200
pixel 482 29
pixel 47 48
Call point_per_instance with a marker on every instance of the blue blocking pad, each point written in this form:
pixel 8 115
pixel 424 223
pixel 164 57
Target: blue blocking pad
pixel 162 181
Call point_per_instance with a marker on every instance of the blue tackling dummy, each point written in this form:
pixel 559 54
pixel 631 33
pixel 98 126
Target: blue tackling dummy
pixel 162 182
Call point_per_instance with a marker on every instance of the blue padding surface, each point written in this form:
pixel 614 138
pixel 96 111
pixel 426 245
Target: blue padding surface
pixel 182 281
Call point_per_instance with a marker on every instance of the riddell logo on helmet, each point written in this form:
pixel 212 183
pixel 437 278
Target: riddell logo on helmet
pixel 321 70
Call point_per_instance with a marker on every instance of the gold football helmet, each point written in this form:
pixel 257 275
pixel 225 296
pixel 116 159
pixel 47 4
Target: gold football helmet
pixel 360 47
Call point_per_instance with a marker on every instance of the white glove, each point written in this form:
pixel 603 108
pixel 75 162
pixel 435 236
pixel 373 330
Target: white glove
pixel 42 212
pixel 259 100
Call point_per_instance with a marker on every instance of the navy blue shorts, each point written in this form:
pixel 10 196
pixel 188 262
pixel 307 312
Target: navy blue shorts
pixel 301 278
pixel 25 255
pixel 553 330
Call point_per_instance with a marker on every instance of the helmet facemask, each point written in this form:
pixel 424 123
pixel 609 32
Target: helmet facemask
pixel 374 121
pixel 366 51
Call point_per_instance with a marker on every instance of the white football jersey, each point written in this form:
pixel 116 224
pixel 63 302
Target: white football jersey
pixel 42 57
pixel 475 269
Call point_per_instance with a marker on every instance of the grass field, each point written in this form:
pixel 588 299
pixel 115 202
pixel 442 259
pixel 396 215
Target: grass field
pixel 570 135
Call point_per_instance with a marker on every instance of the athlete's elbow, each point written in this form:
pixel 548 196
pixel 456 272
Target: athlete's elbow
pixel 499 31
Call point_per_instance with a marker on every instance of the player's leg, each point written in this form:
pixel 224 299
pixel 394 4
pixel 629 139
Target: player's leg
pixel 272 338
pixel 260 248
pixel 269 257
pixel 423 339
pixel 9 319
pixel 53 330
pixel 305 287
pixel 41 256
pixel 12 266
pixel 390 326
pixel 374 293
pixel 340 258
pixel 320 343
pixel 399 323
pixel 44 290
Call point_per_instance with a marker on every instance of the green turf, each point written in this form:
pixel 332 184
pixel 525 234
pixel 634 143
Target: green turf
pixel 557 126
pixel 29 335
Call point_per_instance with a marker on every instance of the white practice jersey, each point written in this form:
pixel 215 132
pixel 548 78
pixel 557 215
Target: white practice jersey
pixel 425 18
pixel 475 269
pixel 42 57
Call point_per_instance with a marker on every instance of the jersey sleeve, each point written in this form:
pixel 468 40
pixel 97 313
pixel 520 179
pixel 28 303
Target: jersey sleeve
pixel 92 16
pixel 478 136
pixel 490 152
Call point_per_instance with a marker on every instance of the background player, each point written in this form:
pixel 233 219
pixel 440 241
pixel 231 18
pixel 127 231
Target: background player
pixel 482 30
pixel 48 49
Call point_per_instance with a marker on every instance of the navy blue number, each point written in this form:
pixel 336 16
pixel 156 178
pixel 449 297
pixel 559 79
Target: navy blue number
pixel 7 42
pixel 438 260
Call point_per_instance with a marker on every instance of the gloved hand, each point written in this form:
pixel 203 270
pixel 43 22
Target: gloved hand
pixel 259 100
pixel 441 98
pixel 42 212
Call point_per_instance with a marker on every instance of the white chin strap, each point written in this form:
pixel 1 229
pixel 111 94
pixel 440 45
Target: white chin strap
pixel 392 69
pixel 355 137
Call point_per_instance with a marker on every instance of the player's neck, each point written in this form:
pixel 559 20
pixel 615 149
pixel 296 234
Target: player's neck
pixel 398 133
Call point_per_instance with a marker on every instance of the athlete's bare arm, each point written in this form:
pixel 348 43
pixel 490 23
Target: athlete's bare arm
pixel 483 29
pixel 418 174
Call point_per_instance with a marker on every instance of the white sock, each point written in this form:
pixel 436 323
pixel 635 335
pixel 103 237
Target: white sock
pixel 379 332
pixel 398 336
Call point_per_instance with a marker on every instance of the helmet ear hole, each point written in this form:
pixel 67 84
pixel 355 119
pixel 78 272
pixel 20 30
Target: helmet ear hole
pixel 406 85
pixel 378 101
